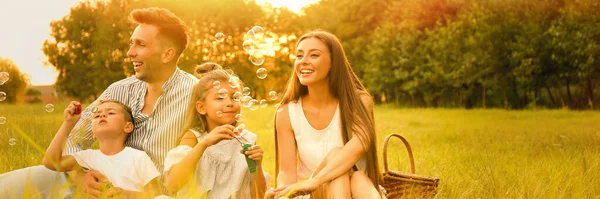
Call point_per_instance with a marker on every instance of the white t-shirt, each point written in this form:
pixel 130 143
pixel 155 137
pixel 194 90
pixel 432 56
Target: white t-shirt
pixel 130 169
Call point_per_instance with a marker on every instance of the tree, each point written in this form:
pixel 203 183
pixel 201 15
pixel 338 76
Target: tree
pixel 16 86
pixel 88 48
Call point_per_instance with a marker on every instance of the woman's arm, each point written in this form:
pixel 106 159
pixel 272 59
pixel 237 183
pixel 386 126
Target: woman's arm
pixel 286 147
pixel 181 172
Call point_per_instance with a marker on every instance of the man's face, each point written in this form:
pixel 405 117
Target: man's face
pixel 145 52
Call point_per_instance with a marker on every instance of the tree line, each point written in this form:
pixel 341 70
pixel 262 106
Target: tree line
pixel 509 54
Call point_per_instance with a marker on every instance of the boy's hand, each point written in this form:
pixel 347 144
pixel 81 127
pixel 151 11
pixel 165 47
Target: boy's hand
pixel 219 133
pixel 73 112
pixel 255 153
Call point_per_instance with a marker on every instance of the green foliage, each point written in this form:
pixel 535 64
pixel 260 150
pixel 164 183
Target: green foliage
pixel 16 86
pixel 422 53
pixel 88 48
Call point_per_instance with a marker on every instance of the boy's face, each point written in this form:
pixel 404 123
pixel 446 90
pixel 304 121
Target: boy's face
pixel 110 120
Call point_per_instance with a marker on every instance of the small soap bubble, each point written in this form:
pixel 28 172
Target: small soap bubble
pixel 2 96
pixel 273 95
pixel 219 113
pixel 263 103
pixel 222 93
pixel 12 141
pixel 253 104
pixel 234 82
pixel 237 96
pixel 239 117
pixel 257 57
pixel 4 77
pixel 261 73
pixel 258 32
pixel 216 84
pixel 246 101
pixel 2 120
pixel 246 91
pixel 49 108
pixel 220 37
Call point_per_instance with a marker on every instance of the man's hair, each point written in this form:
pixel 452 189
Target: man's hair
pixel 169 25
pixel 126 110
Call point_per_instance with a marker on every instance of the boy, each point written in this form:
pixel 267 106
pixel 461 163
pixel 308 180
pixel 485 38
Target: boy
pixel 129 170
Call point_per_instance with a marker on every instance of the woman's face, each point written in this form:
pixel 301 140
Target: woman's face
pixel 313 61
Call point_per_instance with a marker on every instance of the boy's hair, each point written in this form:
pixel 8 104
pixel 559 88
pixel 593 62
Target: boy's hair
pixel 169 25
pixel 126 110
pixel 207 73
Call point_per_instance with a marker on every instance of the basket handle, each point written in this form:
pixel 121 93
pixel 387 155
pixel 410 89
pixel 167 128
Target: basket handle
pixel 410 155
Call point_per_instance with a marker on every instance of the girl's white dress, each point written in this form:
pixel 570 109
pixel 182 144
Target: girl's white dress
pixel 222 172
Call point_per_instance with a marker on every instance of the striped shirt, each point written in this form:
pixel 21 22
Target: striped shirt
pixel 154 134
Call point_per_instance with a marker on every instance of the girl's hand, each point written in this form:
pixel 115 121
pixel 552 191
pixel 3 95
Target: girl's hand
pixel 73 112
pixel 255 153
pixel 224 132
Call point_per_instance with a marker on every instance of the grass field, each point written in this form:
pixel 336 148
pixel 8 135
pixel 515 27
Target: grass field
pixel 475 153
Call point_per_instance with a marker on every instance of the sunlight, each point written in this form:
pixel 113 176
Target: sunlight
pixel 293 5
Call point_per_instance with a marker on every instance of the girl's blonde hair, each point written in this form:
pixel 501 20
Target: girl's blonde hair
pixel 348 89
pixel 207 74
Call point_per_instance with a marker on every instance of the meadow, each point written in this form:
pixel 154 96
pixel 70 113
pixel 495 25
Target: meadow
pixel 476 153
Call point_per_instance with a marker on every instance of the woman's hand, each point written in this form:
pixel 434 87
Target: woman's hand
pixel 224 132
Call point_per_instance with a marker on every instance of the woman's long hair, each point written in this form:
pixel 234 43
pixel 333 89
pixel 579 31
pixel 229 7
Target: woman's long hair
pixel 347 88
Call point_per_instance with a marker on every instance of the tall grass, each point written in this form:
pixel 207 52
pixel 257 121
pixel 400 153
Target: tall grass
pixel 475 153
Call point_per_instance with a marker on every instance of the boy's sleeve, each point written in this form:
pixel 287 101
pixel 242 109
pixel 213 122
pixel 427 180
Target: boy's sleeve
pixel 84 158
pixel 145 169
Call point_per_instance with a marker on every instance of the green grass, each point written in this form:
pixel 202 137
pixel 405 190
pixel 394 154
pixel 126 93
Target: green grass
pixel 475 153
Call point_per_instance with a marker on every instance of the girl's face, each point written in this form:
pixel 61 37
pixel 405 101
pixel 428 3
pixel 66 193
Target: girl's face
pixel 313 61
pixel 218 108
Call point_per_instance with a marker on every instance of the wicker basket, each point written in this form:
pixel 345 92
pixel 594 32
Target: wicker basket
pixel 406 185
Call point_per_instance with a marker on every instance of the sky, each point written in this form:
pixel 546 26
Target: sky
pixel 25 24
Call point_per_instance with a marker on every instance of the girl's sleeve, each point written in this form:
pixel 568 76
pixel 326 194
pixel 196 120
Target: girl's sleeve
pixel 175 156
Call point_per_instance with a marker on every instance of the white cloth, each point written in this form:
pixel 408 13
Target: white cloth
pixel 313 145
pixel 130 169
pixel 222 171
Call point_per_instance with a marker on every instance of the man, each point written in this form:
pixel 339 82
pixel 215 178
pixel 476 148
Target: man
pixel 157 94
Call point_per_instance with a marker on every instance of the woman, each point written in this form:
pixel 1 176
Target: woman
pixel 325 135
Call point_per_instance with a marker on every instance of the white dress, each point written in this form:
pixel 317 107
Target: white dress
pixel 222 172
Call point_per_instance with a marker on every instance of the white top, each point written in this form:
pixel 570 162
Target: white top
pixel 130 169
pixel 222 171
pixel 313 145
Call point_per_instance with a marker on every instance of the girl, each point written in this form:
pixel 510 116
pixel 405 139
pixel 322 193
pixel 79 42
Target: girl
pixel 209 149
pixel 326 121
